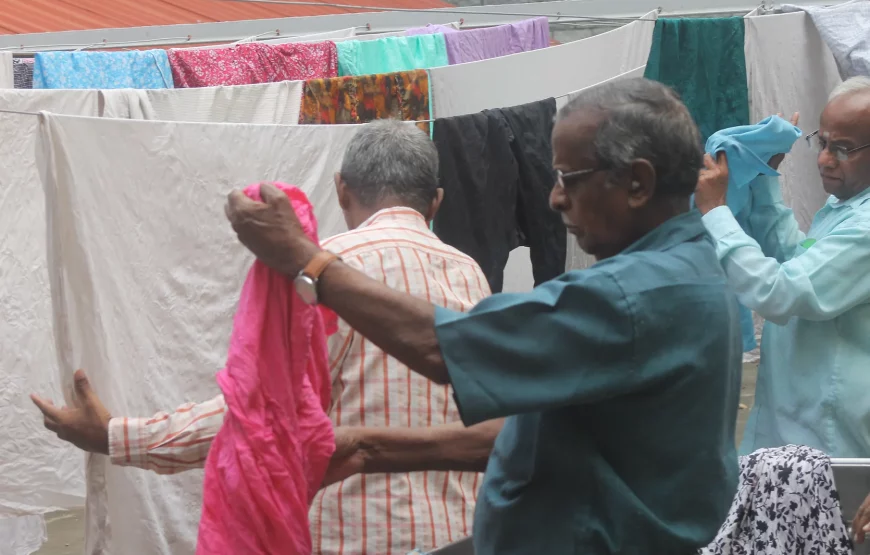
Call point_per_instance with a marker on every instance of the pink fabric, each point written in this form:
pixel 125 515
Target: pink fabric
pixel 271 454
pixel 250 63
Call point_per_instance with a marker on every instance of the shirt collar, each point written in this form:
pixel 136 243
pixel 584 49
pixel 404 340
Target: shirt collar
pixel 679 229
pixel 397 214
pixel 857 200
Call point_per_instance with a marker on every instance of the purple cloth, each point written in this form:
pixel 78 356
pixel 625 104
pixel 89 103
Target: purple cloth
pixel 430 30
pixel 481 44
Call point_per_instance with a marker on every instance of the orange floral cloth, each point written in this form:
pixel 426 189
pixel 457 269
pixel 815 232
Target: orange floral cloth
pixel 359 99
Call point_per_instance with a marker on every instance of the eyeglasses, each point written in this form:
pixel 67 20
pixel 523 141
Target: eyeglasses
pixel 841 153
pixel 562 176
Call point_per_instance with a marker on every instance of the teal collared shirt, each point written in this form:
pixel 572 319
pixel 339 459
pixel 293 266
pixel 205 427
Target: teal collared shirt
pixel 621 385
pixel 814 291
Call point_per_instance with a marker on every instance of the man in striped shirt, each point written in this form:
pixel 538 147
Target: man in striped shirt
pixel 388 190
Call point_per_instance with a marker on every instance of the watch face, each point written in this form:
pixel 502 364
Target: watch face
pixel 306 288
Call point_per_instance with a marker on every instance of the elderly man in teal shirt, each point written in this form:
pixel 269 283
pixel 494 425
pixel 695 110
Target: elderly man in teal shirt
pixel 813 289
pixel 619 383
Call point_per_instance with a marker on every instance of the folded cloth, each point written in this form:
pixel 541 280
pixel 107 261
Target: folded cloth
pixel 749 148
pixel 133 69
pixel 271 454
pixel 845 28
pixel 252 63
pixel 364 98
pixel 391 54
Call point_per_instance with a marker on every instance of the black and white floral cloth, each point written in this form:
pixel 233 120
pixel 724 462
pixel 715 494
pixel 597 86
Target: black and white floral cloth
pixel 786 504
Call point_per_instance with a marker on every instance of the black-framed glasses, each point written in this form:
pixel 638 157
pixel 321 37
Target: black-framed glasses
pixel 562 176
pixel 841 153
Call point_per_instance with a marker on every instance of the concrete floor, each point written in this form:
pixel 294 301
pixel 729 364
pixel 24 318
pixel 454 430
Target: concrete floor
pixel 66 535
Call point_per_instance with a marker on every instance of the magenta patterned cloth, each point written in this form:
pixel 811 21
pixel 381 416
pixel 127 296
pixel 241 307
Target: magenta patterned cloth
pixel 251 63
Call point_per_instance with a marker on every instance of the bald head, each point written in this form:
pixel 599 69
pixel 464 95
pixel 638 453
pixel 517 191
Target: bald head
pixel 844 127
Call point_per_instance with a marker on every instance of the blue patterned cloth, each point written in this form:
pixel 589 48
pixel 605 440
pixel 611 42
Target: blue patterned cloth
pixel 133 69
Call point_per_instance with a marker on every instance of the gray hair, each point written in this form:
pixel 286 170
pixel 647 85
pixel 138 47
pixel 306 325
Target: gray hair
pixel 391 159
pixel 852 85
pixel 646 120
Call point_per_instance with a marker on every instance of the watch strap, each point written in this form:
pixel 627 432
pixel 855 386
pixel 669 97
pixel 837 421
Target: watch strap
pixel 318 264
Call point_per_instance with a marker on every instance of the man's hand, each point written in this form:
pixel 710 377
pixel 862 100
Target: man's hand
pixel 350 456
pixel 712 186
pixel 861 524
pixel 85 425
pixel 270 229
pixel 777 159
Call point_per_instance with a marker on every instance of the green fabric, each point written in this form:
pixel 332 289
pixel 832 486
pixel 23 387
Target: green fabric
pixel 391 54
pixel 703 60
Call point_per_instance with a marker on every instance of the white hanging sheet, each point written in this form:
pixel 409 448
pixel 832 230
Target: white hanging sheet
pixel 576 258
pixel 790 69
pixel 531 76
pixel 39 472
pixel 7 76
pixel 21 535
pixel 146 274
pixel 261 103
pixel 350 32
pixel 845 28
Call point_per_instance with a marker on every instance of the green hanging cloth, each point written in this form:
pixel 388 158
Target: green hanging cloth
pixel 703 60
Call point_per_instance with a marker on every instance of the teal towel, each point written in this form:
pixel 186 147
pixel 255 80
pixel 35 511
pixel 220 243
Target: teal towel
pixel 391 54
pixel 703 60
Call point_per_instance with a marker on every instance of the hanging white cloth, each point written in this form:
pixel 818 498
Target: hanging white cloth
pixel 261 103
pixel 539 74
pixel 153 330
pixel 22 535
pixel 845 28
pixel 7 76
pixel 40 473
pixel 799 81
pixel 348 33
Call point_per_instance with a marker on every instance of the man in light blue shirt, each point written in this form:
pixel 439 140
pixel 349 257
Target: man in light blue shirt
pixel 813 289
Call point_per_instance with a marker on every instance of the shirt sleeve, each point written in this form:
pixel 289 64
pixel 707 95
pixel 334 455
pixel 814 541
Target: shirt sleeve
pixel 771 223
pixel 167 443
pixel 569 341
pixel 810 286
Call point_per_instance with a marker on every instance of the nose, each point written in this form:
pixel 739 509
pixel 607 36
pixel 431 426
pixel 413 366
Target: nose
pixel 558 199
pixel 826 159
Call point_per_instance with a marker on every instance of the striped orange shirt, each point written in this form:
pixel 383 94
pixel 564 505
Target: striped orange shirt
pixel 374 514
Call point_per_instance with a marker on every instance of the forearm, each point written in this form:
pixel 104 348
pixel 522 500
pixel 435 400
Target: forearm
pixel 167 443
pixel 400 324
pixel 444 448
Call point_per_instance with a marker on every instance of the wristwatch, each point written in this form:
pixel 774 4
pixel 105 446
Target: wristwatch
pixel 306 280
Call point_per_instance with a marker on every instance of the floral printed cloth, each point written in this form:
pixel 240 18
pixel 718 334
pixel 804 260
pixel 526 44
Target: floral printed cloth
pixel 250 63
pixel 22 74
pixel 786 504
pixel 130 69
pixel 403 95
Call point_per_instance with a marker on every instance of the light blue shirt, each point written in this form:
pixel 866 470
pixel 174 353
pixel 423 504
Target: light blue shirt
pixel 814 291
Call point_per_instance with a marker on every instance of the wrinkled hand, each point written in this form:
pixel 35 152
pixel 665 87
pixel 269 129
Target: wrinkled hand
pixel 712 187
pixel 85 425
pixel 270 229
pixel 349 458
pixel 861 524
pixel 777 159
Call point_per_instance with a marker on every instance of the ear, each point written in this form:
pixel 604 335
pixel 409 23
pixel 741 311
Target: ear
pixel 435 204
pixel 344 199
pixel 642 183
